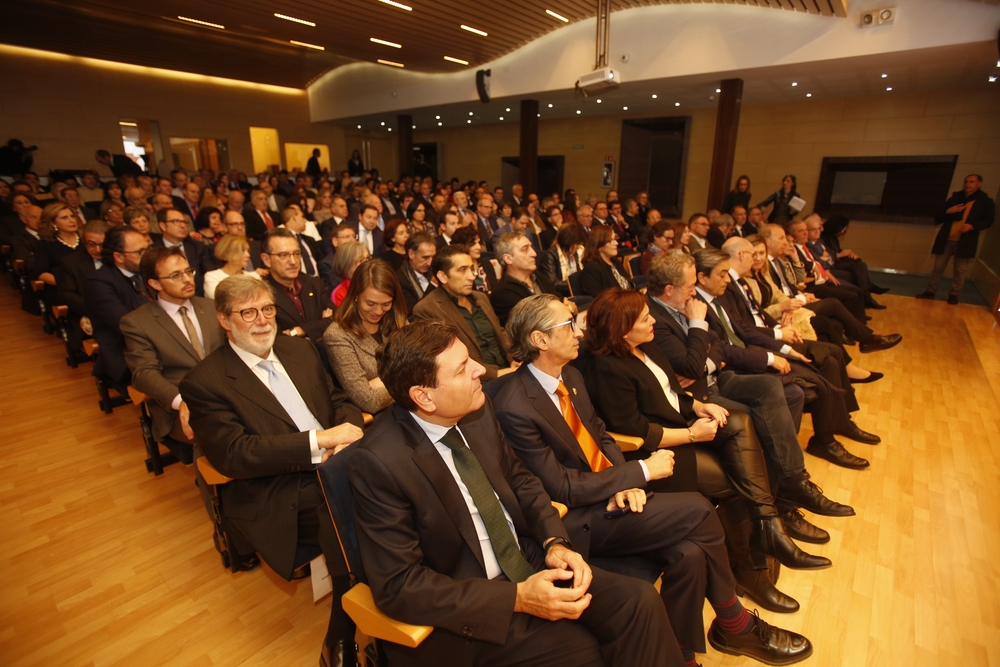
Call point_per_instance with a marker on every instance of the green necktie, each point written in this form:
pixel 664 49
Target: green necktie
pixel 511 561
pixel 733 338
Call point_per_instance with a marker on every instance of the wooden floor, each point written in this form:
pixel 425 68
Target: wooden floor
pixel 103 564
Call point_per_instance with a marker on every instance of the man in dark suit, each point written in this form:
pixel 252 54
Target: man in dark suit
pixel 266 414
pixel 295 222
pixel 457 303
pixel 167 337
pixel 235 224
pixel 366 227
pixel 112 292
pixel 258 217
pixel 550 423
pixel 456 533
pixel 75 269
pixel 448 224
pixel 304 305
pixel 520 280
pixel 520 221
pixel 174 234
pixel 487 221
pixel 339 209
pixel 824 284
pixel 965 214
pixel 741 226
pixel 188 204
pixel 415 273
pixel 26 238
pixel 846 269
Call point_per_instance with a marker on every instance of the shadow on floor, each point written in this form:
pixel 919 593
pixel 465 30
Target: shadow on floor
pixel 912 284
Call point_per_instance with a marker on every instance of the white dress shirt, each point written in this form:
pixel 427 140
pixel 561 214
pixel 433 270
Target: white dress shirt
pixel 758 320
pixel 785 349
pixel 686 325
pixel 366 237
pixel 173 311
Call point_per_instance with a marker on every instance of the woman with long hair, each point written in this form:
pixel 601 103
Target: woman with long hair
pixel 113 193
pixel 395 234
pixel 323 210
pixel 417 214
pixel 373 308
pixel 682 236
pixel 564 257
pixel 781 198
pixel 601 267
pixel 235 252
pixel 738 196
pixel 486 275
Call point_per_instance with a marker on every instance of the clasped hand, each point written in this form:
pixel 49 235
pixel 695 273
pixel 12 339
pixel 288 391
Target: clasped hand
pixel 333 440
pixel 539 596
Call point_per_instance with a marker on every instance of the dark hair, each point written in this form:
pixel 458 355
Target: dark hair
pixel 152 258
pixel 834 225
pixel 795 183
pixel 611 315
pixel 736 183
pixel 443 257
pixel 277 232
pixel 465 235
pixel 365 208
pixel 599 236
pixel 390 231
pixel 569 235
pixel 662 227
pixel 707 259
pixel 409 358
pixel 114 241
pixel 416 240
pixel 378 275
pixel 201 221
pixel 414 205
pixel 695 216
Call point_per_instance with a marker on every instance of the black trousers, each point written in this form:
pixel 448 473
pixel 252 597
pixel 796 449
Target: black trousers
pixel 855 271
pixel 835 310
pixel 852 296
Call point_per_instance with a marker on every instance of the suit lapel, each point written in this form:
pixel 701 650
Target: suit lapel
pixel 545 407
pixel 210 329
pixel 480 443
pixel 250 386
pixel 301 378
pixel 168 324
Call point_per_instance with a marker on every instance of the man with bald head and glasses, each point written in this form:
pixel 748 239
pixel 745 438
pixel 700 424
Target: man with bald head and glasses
pixel 266 414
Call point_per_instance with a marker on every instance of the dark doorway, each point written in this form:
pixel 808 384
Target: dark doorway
pixel 425 160
pixel 653 159
pixel 550 174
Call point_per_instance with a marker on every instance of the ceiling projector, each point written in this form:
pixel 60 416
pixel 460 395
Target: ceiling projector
pixel 598 80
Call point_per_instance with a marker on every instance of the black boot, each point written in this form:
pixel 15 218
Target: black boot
pixel 773 540
pixel 756 584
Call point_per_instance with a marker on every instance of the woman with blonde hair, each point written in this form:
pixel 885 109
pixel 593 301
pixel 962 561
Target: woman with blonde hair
pixel 60 235
pixel 348 258
pixel 235 252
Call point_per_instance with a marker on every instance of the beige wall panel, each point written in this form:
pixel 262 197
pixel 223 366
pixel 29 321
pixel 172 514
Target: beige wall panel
pixel 896 129
pixel 849 149
pixel 842 131
pixel 885 105
pixel 977 126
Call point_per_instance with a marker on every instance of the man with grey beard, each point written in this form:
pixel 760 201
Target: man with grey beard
pixel 266 414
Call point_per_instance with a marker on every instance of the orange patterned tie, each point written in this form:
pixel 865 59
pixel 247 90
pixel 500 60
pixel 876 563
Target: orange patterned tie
pixel 595 457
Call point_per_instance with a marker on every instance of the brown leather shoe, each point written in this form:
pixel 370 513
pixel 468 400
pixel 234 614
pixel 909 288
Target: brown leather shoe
pixel 765 643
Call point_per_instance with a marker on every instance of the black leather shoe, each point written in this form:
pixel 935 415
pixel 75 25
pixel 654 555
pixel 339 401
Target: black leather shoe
pixel 756 584
pixel 799 529
pixel 849 341
pixel 926 295
pixel 875 305
pixel 808 496
pixel 771 539
pixel 765 643
pixel 873 376
pixel 856 434
pixel 878 343
pixel 875 289
pixel 953 300
pixel 835 453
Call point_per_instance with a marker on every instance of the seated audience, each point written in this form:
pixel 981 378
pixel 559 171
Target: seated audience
pixel 259 217
pixel 303 302
pixel 174 233
pixel 420 492
pixel 601 267
pixel 448 223
pixel 366 227
pixel 59 235
pixel 209 224
pixel 234 251
pixel 137 217
pixel 741 226
pixel 395 236
pixel 661 240
pixel 349 257
pixel 69 286
pixel 235 396
pixel 818 281
pixel 341 234
pixel 415 274
pixel 485 269
pixel 520 279
pixel 416 213
pixel 698 226
pixel 682 237
pixel 721 229
pixel 564 257
pixel 372 310
pixel 294 221
pixel 520 222
pixel 457 303
pixel 824 244
pixel 24 243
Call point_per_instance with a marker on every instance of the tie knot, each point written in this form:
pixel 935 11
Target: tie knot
pixel 562 391
pixel 183 311
pixel 453 439
pixel 267 365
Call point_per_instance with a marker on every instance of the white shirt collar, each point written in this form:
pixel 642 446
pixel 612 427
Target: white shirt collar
pixel 549 383
pixel 434 432
pixel 732 274
pixel 172 308
pixel 251 359
pixel 705 295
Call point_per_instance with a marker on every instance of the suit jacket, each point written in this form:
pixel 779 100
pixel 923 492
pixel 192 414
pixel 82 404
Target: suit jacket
pixel 198 256
pixel 753 357
pixel 378 244
pixel 247 435
pixel 550 267
pixel 256 227
pixel 437 305
pixel 421 552
pixel 184 207
pixel 315 299
pixel 537 432
pixel 688 353
pixel 597 277
pixel 108 297
pixel 412 292
pixel 22 246
pixel 980 217
pixel 69 286
pixel 159 354
pixel 487 230
pixel 354 364
pixel 509 291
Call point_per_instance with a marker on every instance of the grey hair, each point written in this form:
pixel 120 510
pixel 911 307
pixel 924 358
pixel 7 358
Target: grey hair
pixel 505 246
pixel 707 259
pixel 529 315
pixel 239 289
pixel 667 269
pixel 347 254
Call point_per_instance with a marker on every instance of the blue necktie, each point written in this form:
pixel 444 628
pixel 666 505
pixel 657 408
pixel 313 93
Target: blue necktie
pixel 291 401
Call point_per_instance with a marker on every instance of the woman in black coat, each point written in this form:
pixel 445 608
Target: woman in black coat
pixel 738 196
pixel 782 211
pixel 601 267
pixel 636 392
pixel 562 259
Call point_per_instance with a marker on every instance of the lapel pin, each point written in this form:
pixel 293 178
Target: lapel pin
pixel 574 391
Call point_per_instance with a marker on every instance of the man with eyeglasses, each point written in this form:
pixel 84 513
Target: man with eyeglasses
pixel 266 414
pixel 79 264
pixel 165 338
pixel 110 293
pixel 174 229
pixel 304 305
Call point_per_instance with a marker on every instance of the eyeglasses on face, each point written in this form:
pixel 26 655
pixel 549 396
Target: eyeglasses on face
pixel 571 322
pixel 284 256
pixel 178 276
pixel 250 314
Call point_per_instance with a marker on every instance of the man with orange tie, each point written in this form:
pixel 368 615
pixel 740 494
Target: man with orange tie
pixel 258 218
pixel 548 420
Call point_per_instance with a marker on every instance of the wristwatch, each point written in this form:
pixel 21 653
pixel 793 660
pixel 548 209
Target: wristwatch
pixel 691 436
pixel 558 540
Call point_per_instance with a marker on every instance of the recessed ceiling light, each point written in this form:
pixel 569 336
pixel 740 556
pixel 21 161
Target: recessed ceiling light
pixel 383 123
pixel 456 60
pixel 624 108
pixel 550 106
pixel 888 88
pixel 414 127
pixel 598 101
pixel 470 113
pixel 307 45
pixel 359 127
pixel 578 112
pixel 718 90
pixel 538 115
pixel 210 25
pixel 385 43
pixel 128 124
pixel 654 96
pixel 809 94
pixel 295 20
pixel 469 121
pixel 478 32
pixel 398 4
pixel 437 117
pixel 501 117
pixel 390 129
pixel 390 63
pixel 993 79
pixel 507 110
pixel 439 124
pixel 557 16
pixel 677 104
pixel 794 83
pixel 884 76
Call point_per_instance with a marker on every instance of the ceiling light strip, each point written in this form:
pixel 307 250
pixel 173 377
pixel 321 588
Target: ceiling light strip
pixel 127 124
pixel 295 20
pixel 210 25
pixel 385 43
pixel 474 30
pixel 390 63
pixel 398 5
pixel 557 16
pixel 307 45
pixel 456 60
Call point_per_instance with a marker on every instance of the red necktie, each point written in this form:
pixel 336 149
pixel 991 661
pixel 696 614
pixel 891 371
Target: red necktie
pixel 267 220
pixel 819 267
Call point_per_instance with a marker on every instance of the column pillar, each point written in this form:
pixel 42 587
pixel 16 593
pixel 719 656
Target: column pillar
pixel 727 123
pixel 529 146
pixel 404 125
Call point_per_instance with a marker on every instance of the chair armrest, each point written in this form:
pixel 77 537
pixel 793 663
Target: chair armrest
pixel 209 473
pixel 627 443
pixel 47 278
pixel 18 266
pixel 37 285
pixel 5 249
pixel 60 312
pixel 90 347
pixel 562 509
pixel 360 606
pixel 137 396
pixel 367 417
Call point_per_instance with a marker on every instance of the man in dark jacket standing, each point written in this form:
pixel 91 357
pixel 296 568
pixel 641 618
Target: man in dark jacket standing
pixel 966 213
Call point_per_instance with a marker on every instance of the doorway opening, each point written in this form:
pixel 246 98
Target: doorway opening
pixel 550 174
pixel 654 159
